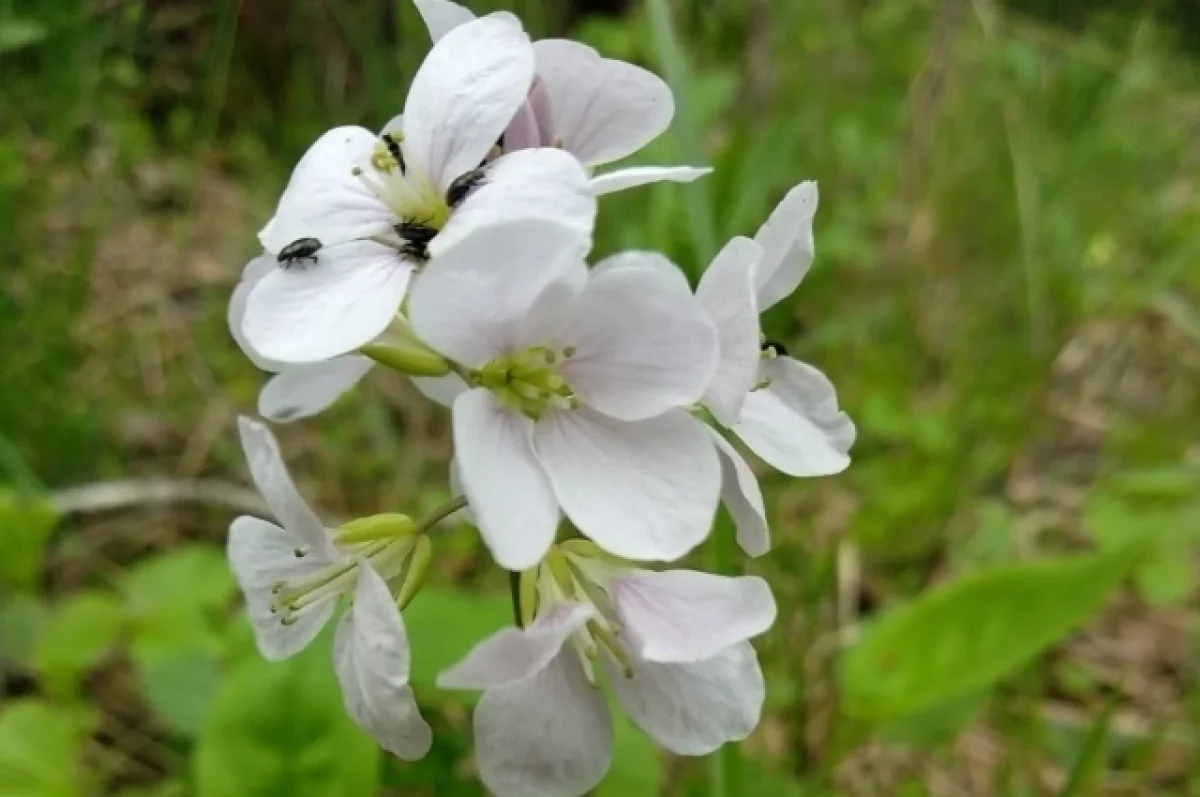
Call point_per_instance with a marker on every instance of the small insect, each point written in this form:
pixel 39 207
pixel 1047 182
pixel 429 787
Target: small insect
pixel 774 348
pixel 299 250
pixel 393 148
pixel 463 186
pixel 415 236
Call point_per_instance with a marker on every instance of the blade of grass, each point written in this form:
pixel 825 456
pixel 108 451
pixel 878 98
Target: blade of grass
pixel 1092 754
pixel 678 74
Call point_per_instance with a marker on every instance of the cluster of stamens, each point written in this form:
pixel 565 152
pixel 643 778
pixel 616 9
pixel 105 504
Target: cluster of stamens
pixel 410 195
pixel 529 381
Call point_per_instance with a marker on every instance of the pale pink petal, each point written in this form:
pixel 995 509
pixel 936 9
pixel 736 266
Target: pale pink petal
pixel 644 490
pixel 514 654
pixel 686 615
pixel 305 390
pixel 635 176
pixel 692 709
pixel 254 271
pixel 726 292
pixel 324 200
pixel 505 485
pixel 603 109
pixel 549 735
pixel 794 423
pixel 442 16
pixel 637 258
pixel 314 311
pixel 743 498
pixel 372 659
pixel 465 94
pixel 787 242
pixel 533 125
pixel 643 344
pixel 441 389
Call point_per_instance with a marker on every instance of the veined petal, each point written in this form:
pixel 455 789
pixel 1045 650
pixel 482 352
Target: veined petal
pixel 656 353
pixel 638 258
pixel 507 490
pixel 442 16
pixel 480 298
pixel 602 109
pixel 533 125
pixel 726 292
pixel 441 389
pixel 275 484
pixel 514 654
pixel 303 391
pixel 794 423
pixel 634 176
pixel 692 709
pixel 314 311
pixel 643 490
pixel 688 616
pixel 254 271
pixel 742 497
pixel 371 657
pixel 261 555
pixel 543 184
pixel 787 242
pixel 323 198
pixel 549 735
pixel 465 94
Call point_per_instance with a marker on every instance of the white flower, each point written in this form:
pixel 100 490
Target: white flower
pixel 292 577
pixel 362 213
pixel 577 387
pixel 786 411
pixel 673 647
pixel 598 109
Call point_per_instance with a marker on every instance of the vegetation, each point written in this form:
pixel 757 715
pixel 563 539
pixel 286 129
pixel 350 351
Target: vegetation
pixel 998 598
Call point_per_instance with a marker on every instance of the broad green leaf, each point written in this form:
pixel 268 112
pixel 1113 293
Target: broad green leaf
pixel 637 769
pixel 26 524
pixel 197 575
pixel 281 730
pixel 970 633
pixel 22 618
pixel 40 747
pixel 444 624
pixel 79 633
pixel 1168 572
pixel 937 724
pixel 180 686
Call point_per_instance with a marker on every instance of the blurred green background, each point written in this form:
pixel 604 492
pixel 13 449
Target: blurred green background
pixel 1006 294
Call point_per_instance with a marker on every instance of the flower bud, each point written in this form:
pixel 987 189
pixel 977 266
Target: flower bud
pixel 413 360
pixel 418 568
pixel 375 527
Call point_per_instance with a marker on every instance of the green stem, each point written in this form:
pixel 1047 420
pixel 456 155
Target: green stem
pixel 514 589
pixel 441 513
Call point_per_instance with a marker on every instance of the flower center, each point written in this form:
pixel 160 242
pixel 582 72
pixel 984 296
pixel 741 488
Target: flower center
pixel 529 381
pixel 402 185
pixel 292 599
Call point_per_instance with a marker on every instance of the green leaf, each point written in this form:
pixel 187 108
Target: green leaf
pixel 444 624
pixel 22 618
pixel 16 34
pixel 196 576
pixel 637 769
pixel 1092 756
pixel 80 632
pixel 40 747
pixel 1168 573
pixel 280 730
pixel 181 686
pixel 27 524
pixel 938 724
pixel 971 633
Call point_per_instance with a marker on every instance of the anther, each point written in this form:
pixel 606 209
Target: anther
pixel 569 351
pixel 301 552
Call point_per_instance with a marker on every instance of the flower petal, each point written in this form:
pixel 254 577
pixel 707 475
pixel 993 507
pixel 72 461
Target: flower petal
pixel 252 274
pixel 324 200
pixel 603 109
pixel 692 709
pixel 465 94
pixel 688 616
pixel 371 656
pixel 312 312
pixel 657 352
pixel 549 735
pixel 634 176
pixel 794 423
pixel 533 125
pixel 275 484
pixel 543 183
pixel 261 555
pixel 305 390
pixel 513 654
pixel 787 242
pixel 442 16
pixel 641 490
pixel 484 297
pixel 441 389
pixel 637 258
pixel 507 490
pixel 742 497
pixel 726 292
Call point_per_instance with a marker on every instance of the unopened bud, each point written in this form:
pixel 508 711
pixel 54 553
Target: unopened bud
pixel 413 360
pixel 374 528
pixel 528 592
pixel 418 569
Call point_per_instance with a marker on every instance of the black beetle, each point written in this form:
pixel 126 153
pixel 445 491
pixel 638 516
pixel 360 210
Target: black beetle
pixel 298 250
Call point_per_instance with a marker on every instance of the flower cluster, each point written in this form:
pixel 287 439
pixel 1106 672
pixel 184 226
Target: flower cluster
pixel 590 407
